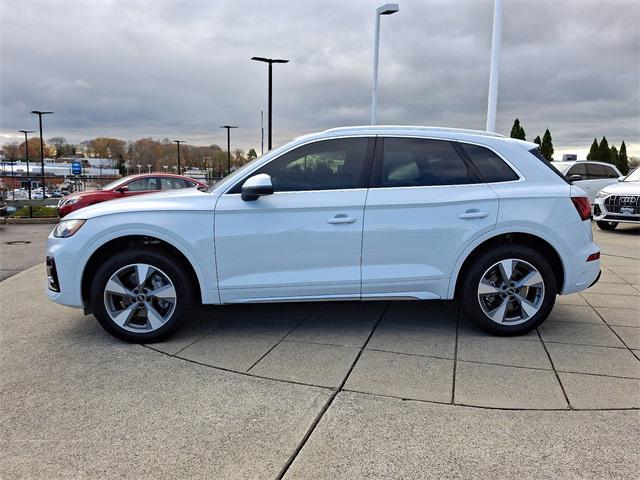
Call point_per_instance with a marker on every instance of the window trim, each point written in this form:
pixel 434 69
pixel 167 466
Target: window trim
pixel 376 171
pixel 363 181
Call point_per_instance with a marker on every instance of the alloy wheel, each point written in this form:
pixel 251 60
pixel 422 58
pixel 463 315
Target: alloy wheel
pixel 511 291
pixel 140 298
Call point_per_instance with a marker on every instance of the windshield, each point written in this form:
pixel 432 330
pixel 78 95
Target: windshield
pixel 114 184
pixel 633 176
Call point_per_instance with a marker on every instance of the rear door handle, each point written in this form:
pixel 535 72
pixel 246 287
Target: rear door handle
pixel 473 214
pixel 340 219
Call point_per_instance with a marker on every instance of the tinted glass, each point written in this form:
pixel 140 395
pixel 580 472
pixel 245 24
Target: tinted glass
pixel 410 162
pixel 491 166
pixel 142 184
pixel 324 165
pixel 578 169
pixel 595 171
pixel 611 173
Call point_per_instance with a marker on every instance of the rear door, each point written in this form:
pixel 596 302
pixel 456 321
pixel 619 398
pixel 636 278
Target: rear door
pixel 425 203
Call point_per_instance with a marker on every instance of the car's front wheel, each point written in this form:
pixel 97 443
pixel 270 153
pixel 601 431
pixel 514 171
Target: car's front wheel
pixel 141 296
pixel 509 290
pixel 607 225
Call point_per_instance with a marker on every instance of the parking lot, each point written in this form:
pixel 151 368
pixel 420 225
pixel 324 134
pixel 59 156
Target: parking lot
pixel 323 390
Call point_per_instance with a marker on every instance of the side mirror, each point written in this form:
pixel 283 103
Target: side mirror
pixel 256 186
pixel 122 189
pixel 575 178
pixel 621 179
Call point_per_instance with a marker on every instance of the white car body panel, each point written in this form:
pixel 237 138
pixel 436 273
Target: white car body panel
pixel 401 242
pixel 619 189
pixel 289 244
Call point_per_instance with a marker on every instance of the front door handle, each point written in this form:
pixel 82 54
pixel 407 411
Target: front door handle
pixel 473 214
pixel 340 219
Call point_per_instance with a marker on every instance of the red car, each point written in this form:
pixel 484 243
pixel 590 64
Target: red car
pixel 124 187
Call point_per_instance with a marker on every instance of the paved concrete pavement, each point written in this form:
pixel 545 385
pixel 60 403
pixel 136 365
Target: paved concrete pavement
pixel 346 390
pixel 21 247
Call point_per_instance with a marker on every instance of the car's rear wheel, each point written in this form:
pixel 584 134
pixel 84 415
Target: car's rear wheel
pixel 607 225
pixel 141 297
pixel 509 290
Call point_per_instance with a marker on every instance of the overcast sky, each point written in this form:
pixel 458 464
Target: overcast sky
pixel 179 69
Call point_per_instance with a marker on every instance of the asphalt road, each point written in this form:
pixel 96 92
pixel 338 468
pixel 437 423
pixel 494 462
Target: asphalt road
pixel 21 247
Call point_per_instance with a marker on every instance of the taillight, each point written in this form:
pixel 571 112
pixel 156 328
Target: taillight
pixel 583 206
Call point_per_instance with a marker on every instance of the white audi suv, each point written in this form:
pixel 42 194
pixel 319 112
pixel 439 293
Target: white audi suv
pixel 619 203
pixel 357 213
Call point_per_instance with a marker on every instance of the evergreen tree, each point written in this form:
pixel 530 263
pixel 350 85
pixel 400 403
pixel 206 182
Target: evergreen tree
pixel 604 153
pixel 593 153
pixel 251 154
pixel 537 140
pixel 623 161
pixel 546 147
pixel 614 156
pixel 517 131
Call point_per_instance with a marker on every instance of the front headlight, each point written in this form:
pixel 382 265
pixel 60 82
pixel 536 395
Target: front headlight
pixel 67 228
pixel 601 194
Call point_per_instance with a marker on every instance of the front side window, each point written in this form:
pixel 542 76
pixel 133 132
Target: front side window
pixel 414 162
pixel 578 169
pixel 491 166
pixel 142 184
pixel 611 173
pixel 324 165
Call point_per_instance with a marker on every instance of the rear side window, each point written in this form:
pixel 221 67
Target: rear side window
pixel 491 167
pixel 416 162
pixel 611 173
pixel 595 171
pixel 536 153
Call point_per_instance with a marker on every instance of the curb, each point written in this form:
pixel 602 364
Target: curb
pixel 28 221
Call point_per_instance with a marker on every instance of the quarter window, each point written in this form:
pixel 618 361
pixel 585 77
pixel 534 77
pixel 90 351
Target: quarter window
pixel 491 167
pixel 324 165
pixel 412 162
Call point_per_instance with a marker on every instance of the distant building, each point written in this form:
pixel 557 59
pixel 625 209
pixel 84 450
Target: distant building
pixel 569 157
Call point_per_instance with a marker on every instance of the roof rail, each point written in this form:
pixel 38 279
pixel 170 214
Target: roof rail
pixel 414 127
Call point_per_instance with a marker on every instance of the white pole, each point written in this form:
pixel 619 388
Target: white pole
pixel 492 103
pixel 376 49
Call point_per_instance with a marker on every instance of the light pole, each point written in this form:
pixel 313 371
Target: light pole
pixel 39 113
pixel 228 127
pixel 26 156
pixel 149 165
pixel 270 61
pixel 261 132
pixel 139 167
pixel 386 9
pixel 165 168
pixel 178 142
pixel 492 101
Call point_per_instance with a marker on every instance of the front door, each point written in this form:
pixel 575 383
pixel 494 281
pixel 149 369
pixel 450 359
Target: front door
pixel 424 206
pixel 304 240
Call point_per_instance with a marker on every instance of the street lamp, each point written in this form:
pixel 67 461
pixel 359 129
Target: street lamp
pixel 139 167
pixel 229 127
pixel 386 9
pixel 494 73
pixel 39 113
pixel 26 156
pixel 178 142
pixel 149 165
pixel 270 61
pixel 165 168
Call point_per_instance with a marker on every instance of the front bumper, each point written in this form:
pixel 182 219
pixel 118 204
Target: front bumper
pixel 612 208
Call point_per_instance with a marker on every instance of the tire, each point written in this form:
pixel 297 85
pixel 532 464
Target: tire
pixel 526 307
pixel 145 312
pixel 607 225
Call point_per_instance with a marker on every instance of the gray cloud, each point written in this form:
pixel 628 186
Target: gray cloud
pixel 182 68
